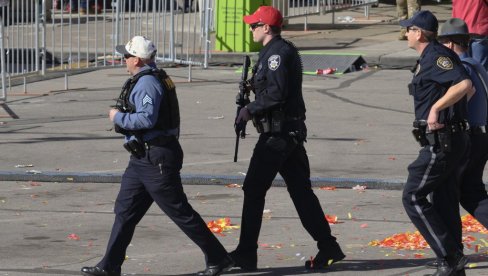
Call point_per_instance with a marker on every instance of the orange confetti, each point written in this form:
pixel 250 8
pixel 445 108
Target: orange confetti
pixel 391 158
pixel 470 224
pixel 220 225
pixel 418 255
pixel 407 240
pixel 364 225
pixel 328 188
pixel 73 237
pixel 331 219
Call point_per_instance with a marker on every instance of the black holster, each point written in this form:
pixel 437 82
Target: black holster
pixel 135 148
pixel 271 122
pixel 419 132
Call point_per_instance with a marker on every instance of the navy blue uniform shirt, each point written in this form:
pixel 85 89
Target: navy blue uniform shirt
pixel 477 105
pixel 277 80
pixel 146 97
pixel 438 69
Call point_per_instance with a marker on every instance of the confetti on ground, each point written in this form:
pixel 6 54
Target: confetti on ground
pixel 407 240
pixel 415 241
pixel 331 219
pixel 470 224
pixel 221 225
pixel 328 188
pixel 392 158
pixel 73 237
pixel 271 246
pixel 233 185
pixel 364 225
pixel 359 188
pixel 24 166
pixel 35 184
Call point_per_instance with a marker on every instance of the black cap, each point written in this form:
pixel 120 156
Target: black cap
pixel 454 27
pixel 422 19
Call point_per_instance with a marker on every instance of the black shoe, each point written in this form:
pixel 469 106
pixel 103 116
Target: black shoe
pixel 324 259
pixel 96 271
pixel 215 270
pixel 432 264
pixel 461 272
pixel 443 269
pixel 246 261
pixel 459 262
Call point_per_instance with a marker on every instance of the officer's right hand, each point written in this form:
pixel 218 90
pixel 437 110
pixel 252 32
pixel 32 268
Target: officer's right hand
pixel 245 86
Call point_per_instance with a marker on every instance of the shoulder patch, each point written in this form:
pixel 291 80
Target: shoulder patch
pixel 445 63
pixel 274 62
pixel 146 100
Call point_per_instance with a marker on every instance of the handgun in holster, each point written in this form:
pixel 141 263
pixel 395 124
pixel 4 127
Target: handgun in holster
pixel 135 148
pixel 420 132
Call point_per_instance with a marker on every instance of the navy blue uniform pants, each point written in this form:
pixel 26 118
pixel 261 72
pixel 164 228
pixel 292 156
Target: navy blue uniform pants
pixel 437 174
pixel 156 177
pixel 285 156
pixel 474 198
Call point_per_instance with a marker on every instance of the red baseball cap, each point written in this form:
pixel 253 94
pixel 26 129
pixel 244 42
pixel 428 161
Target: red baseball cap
pixel 265 14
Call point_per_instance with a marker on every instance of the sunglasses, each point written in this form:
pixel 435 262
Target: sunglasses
pixel 127 56
pixel 255 25
pixel 412 29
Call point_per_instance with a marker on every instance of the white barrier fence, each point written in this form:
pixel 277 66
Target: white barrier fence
pixel 305 8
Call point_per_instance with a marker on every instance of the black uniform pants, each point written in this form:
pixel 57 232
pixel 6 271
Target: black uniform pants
pixel 156 177
pixel 437 174
pixel 283 155
pixel 474 198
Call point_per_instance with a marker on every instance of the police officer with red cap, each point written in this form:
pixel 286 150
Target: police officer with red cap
pixel 439 88
pixel 278 113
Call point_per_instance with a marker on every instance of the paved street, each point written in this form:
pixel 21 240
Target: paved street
pixel 60 164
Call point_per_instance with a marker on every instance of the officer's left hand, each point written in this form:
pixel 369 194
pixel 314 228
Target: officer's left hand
pixel 112 113
pixel 432 120
pixel 244 115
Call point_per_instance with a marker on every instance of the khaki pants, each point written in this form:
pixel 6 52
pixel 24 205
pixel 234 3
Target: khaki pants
pixel 407 8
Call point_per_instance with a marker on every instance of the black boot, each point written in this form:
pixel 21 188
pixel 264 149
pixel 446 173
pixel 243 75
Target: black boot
pixel 215 270
pixel 324 259
pixel 96 271
pixel 245 260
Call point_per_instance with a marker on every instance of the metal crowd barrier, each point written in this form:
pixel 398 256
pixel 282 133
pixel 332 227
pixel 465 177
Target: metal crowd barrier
pixel 41 36
pixel 305 8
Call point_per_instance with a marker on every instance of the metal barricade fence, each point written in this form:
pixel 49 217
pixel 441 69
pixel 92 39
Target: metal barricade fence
pixel 41 36
pixel 305 8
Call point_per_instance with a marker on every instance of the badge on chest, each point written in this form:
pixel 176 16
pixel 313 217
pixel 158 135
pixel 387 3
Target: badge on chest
pixel 274 62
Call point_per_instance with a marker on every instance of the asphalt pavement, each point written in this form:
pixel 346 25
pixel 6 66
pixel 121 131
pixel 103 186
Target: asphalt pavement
pixel 60 163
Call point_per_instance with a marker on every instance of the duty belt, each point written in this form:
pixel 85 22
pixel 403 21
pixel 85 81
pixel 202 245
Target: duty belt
pixel 477 130
pixel 159 141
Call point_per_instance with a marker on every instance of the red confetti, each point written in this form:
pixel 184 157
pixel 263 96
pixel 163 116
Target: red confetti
pixel 73 237
pixel 331 219
pixel 328 188
pixel 364 225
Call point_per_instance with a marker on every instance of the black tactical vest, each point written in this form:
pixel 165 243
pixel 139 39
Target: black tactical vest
pixel 169 111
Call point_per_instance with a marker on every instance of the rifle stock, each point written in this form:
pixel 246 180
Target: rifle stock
pixel 242 100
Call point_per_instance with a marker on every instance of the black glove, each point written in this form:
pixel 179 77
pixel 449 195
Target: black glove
pixel 245 86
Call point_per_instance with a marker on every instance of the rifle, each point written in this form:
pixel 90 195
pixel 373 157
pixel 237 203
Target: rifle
pixel 242 99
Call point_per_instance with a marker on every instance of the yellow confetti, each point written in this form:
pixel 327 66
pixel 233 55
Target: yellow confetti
pixel 330 262
pixel 349 215
pixel 472 265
